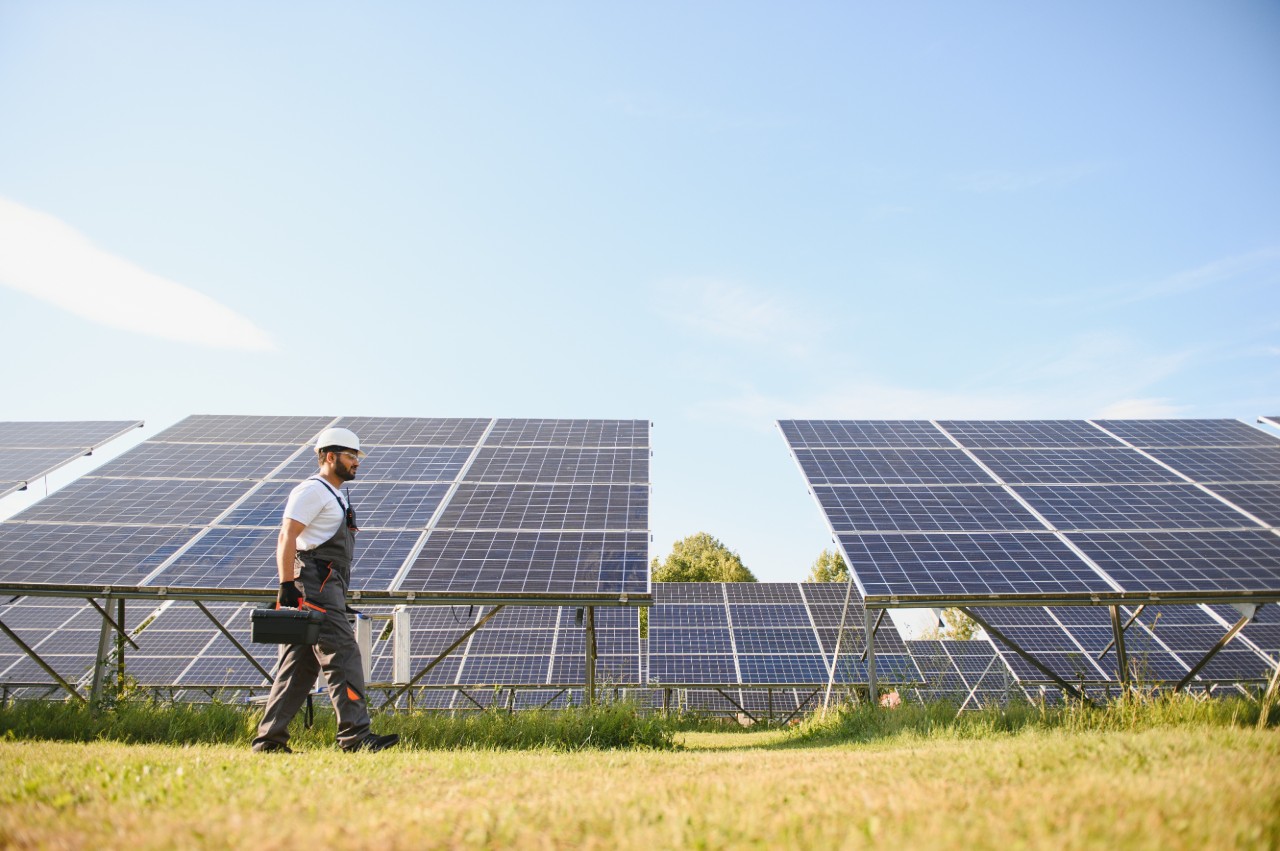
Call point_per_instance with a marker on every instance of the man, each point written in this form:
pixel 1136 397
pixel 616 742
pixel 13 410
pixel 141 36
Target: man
pixel 314 553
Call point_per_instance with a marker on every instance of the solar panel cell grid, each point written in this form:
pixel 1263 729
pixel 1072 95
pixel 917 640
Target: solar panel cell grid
pixel 82 434
pixel 1073 466
pixel 757 615
pixel 538 507
pixel 1237 464
pixel 416 431
pixel 1260 500
pixel 782 668
pixel 1168 507
pixel 889 466
pixel 142 501
pixel 763 592
pixel 84 554
pixel 1149 433
pixel 1187 561
pixel 217 428
pixel 1029 433
pixel 954 566
pixel 863 433
pixel 916 509
pixel 21 465
pixel 391 464
pixel 535 432
pixel 558 464
pixel 154 460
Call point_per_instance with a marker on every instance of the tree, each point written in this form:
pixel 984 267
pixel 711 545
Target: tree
pixel 956 626
pixel 829 567
pixel 701 558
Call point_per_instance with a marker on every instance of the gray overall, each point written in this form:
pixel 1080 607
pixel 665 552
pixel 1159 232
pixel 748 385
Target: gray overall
pixel 325 575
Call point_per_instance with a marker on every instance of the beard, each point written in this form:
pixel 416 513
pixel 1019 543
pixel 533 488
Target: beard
pixel 343 471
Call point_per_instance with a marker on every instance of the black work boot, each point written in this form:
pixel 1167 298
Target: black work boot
pixel 373 743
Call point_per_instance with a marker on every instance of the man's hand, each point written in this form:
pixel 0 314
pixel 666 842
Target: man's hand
pixel 289 596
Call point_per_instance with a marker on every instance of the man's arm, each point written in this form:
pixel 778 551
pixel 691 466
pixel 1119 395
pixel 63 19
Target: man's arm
pixel 287 548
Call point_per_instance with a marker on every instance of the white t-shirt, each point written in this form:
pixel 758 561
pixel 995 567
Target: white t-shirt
pixel 312 504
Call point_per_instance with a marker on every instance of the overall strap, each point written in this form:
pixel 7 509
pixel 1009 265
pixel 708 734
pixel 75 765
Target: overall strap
pixel 341 507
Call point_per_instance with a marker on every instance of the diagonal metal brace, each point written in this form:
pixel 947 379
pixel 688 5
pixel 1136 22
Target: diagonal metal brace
pixel 1033 661
pixel 208 614
pixel 395 695
pixel 119 629
pixel 1213 651
pixel 874 630
pixel 753 718
pixel 22 645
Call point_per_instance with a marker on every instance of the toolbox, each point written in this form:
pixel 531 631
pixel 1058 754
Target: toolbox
pixel 285 626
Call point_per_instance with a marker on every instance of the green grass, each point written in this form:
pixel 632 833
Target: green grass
pixel 614 725
pixel 1184 786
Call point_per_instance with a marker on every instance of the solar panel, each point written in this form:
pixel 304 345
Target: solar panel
pixel 958 508
pixel 543 432
pixel 532 563
pixel 535 507
pixel 82 434
pixel 1073 466
pixel 32 450
pixel 1224 562
pixel 855 466
pixel 968 672
pixel 1235 464
pixel 961 566
pixel 152 460
pixel 1132 507
pixel 1260 500
pixel 220 482
pixel 417 431
pixel 1148 660
pixel 1035 631
pixel 1152 433
pixel 218 428
pixel 80 554
pixel 245 558
pixel 560 465
pixel 809 434
pixel 1008 434
pixel 175 502
pixel 1262 634
pixel 1191 632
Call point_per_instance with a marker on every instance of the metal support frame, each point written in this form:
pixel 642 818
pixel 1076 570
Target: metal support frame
pixel 1133 617
pixel 208 614
pixel 35 657
pixel 801 704
pixel 121 638
pixel 1122 659
pixel 118 623
pixel 740 707
pixel 591 655
pixel 876 628
pixel 873 688
pixel 1213 651
pixel 835 655
pixel 390 701
pixel 553 698
pixel 103 657
pixel 1033 661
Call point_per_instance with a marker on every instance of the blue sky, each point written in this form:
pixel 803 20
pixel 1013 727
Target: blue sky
pixel 708 215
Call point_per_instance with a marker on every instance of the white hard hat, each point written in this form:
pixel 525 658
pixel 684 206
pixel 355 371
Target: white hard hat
pixel 344 437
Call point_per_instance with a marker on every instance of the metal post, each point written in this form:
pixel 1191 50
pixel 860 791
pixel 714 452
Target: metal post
pixel 591 656
pixel 1077 693
pixel 872 686
pixel 1269 698
pixel 35 657
pixel 120 642
pixel 390 701
pixel 100 663
pixel 1122 659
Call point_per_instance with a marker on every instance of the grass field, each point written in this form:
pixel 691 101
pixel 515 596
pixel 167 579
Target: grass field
pixel 1190 781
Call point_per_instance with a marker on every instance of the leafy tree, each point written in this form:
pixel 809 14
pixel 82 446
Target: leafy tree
pixel 956 626
pixel 701 558
pixel 829 567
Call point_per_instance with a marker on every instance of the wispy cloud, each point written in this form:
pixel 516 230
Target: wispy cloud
pixel 1094 375
pixel 1011 181
pixel 1261 267
pixel 726 311
pixel 49 260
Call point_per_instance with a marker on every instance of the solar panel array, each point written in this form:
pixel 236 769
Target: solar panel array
pixel 1162 644
pixel 32 450
pixel 970 673
pixel 952 511
pixel 469 507
pixel 762 634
